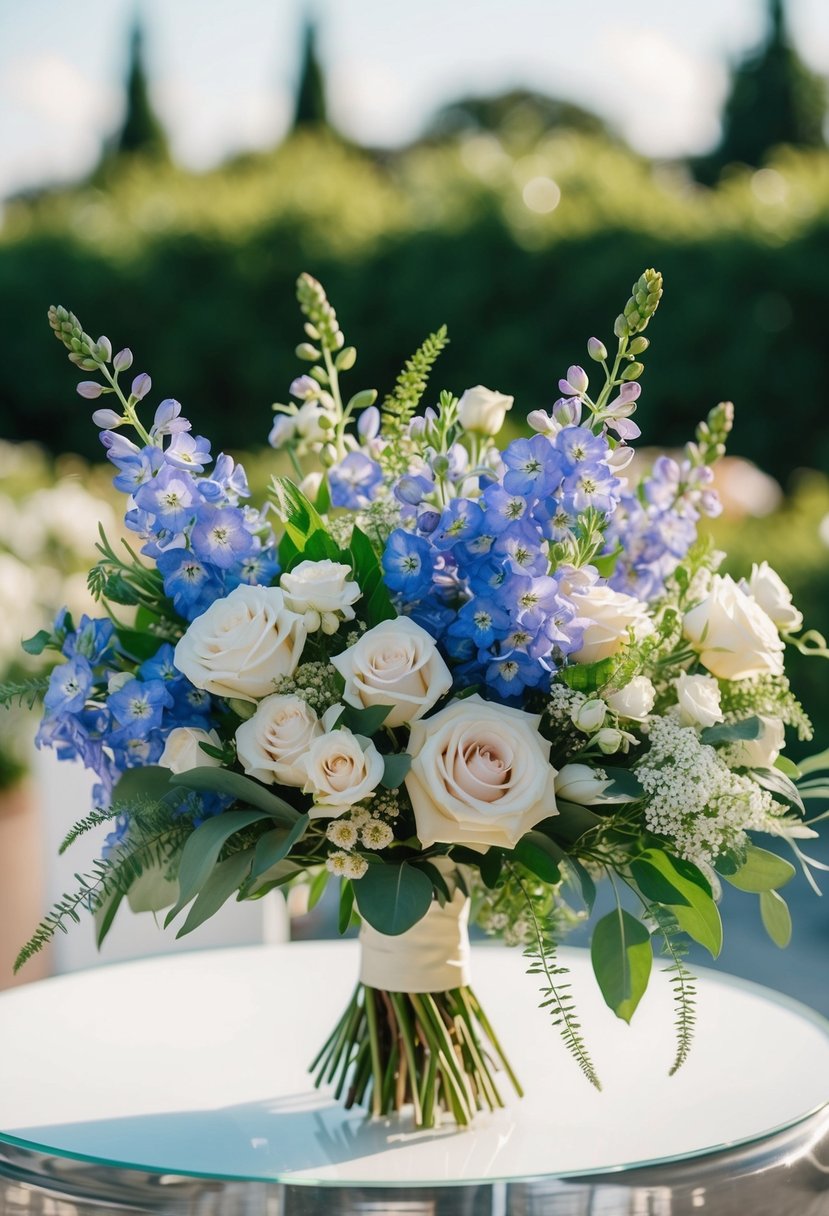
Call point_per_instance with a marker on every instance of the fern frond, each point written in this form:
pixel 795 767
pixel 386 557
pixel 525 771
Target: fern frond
pixel 402 402
pixel 682 981
pixel 543 957
pixel 91 821
pixel 25 690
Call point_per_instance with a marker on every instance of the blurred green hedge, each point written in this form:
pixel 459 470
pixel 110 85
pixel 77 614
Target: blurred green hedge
pixel 196 274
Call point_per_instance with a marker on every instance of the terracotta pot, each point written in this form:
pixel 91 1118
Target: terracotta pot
pixel 22 891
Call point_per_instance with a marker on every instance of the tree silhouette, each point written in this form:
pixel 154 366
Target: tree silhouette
pixel 519 116
pixel 774 99
pixel 141 132
pixel 311 109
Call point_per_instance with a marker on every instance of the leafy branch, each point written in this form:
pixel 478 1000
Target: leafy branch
pixel 27 691
pixel 402 402
pixel 543 956
pixel 682 981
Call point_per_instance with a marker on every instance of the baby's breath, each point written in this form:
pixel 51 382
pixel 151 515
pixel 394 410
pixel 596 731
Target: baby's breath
pixel 376 834
pixel 316 683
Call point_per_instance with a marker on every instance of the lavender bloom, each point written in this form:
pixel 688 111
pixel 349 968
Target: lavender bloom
pixel 355 481
pixel 220 536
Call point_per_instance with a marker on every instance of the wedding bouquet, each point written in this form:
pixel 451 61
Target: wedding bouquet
pixel 453 676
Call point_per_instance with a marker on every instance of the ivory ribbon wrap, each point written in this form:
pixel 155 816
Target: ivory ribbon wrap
pixel 432 956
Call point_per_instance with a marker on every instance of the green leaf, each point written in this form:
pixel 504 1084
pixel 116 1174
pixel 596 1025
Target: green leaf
pixel 572 821
pixel 245 789
pixel 730 732
pixel 490 864
pixel 363 721
pixel 320 546
pixel 624 785
pixel 540 855
pixel 225 878
pixel 788 767
pixel 105 916
pixel 695 911
pixel 274 846
pixel 776 918
pixel 588 677
pixel 379 607
pixel 395 768
pixel 781 786
pixel 364 561
pixel 323 499
pixel 578 877
pixel 38 642
pixel 152 891
pixel 151 783
pixel 201 852
pixel 622 956
pixel 392 898
pixel 137 643
pixel 761 871
pixel 346 905
pixel 437 880
pixel 301 516
pixel 815 763
pixel 317 888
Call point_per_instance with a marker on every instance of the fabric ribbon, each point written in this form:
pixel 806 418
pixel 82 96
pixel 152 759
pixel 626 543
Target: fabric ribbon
pixel 432 956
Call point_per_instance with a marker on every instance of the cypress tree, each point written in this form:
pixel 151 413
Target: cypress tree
pixel 311 109
pixel 141 132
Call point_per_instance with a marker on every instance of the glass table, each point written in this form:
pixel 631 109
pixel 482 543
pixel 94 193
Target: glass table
pixel 179 1085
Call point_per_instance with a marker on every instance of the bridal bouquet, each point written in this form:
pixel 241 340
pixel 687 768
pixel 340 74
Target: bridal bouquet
pixel 453 675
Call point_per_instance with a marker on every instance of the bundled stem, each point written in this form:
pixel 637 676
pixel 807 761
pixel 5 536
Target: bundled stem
pixel 434 1051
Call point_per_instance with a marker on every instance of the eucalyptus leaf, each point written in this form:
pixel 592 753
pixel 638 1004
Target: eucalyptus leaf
pixel 40 640
pixel 366 721
pixel 147 783
pixel 152 891
pixel 622 956
pixel 580 879
pixel 245 789
pixel 274 846
pixel 201 852
pixel 761 871
pixel 395 767
pixel 730 732
pixel 392 898
pixel 681 887
pixel 346 905
pixel 777 920
pixel 225 878
pixel 317 887
pixel 572 821
pixel 540 855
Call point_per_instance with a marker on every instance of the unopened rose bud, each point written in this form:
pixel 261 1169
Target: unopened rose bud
pixel 596 350
pixel 89 389
pixel 123 360
pixel 107 420
pixel 609 740
pixel 589 716
pixel 141 385
pixel 330 622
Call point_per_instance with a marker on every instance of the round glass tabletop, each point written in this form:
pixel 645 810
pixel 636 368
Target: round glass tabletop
pixel 196 1065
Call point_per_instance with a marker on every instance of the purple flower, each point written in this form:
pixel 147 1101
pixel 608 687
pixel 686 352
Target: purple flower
pixel 69 687
pixel 408 563
pixel 189 452
pixel 534 467
pixel 139 705
pixel 168 419
pixel 220 536
pixel 171 497
pixel 461 520
pixel 355 481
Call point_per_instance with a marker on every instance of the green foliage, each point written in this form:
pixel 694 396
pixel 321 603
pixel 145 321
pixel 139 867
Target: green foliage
pixel 685 893
pixel 761 871
pixel 622 956
pixel 402 402
pixel 777 921
pixel 23 692
pixel 392 898
pixel 730 732
pixel 683 983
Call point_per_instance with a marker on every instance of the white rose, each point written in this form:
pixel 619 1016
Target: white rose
pixel 182 751
pixel 763 751
pixel 396 663
pixel 579 783
pixel 242 644
pixel 322 592
pixel 340 769
pixel 482 410
pixel 589 716
pixel 480 775
pixel 635 700
pixel 610 616
pixel 732 635
pixel 271 744
pixel 774 597
pixel 699 700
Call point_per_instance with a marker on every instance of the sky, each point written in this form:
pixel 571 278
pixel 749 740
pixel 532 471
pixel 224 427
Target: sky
pixel 223 74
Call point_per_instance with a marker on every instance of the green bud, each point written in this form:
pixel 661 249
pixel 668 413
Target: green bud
pixel 328 456
pixel 596 350
pixel 325 423
pixel 638 346
pixel 312 331
pixel 362 400
pixel 346 359
pixel 314 304
pixel 620 326
pixel 644 300
pixel 320 375
pixel 306 351
pixel 633 371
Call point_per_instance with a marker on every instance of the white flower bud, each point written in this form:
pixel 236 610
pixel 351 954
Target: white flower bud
pixel 589 716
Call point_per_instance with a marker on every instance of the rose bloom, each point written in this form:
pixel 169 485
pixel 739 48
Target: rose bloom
pixel 271 744
pixel 396 663
pixel 182 751
pixel 732 635
pixel 480 775
pixel 699 700
pixel 242 644
pixel 321 590
pixel 774 597
pixel 635 700
pixel 482 410
pixel 610 617
pixel 340 769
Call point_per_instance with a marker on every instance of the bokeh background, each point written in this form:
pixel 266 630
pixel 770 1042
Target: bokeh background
pixel 167 169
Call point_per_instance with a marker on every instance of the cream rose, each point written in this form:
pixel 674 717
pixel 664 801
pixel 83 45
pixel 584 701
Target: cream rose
pixel 762 751
pixel 242 644
pixel 182 751
pixel 774 597
pixel 635 700
pixel 396 663
pixel 480 775
pixel 322 593
pixel 610 616
pixel 482 410
pixel 699 700
pixel 340 769
pixel 271 744
pixel 732 635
